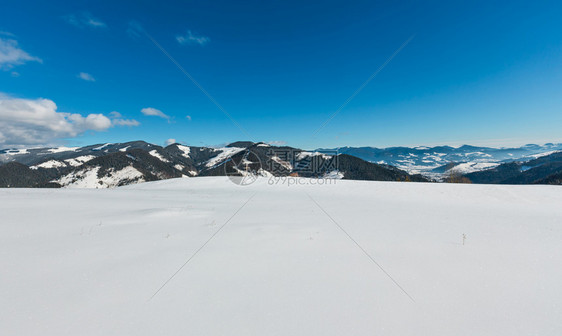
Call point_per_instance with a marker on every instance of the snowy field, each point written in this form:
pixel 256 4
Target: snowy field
pixel 87 262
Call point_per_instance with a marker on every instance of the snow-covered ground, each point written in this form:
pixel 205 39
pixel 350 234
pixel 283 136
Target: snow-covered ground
pixel 87 262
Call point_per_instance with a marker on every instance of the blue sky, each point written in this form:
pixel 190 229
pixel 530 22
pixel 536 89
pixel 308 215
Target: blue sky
pixel 485 73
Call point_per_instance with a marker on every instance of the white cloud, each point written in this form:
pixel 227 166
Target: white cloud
pixel 86 76
pixel 191 38
pixel 26 122
pixel 117 121
pixel 125 122
pixel 150 111
pixel 115 114
pixel 84 19
pixel 95 122
pixel 188 117
pixel 95 23
pixel 11 54
pixel 170 142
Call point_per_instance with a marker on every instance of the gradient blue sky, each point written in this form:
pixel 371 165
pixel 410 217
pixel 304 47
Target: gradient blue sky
pixel 476 72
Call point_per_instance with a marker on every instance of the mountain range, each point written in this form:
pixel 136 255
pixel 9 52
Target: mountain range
pixel 437 162
pixel 117 164
pixel 545 169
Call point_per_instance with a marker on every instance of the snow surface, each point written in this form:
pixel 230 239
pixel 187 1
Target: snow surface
pixel 78 161
pixel 101 147
pixel 49 164
pixel 186 150
pixel 16 151
pixel 303 155
pixel 470 167
pixel 86 262
pixel 224 154
pixel 536 156
pixel 88 178
pixel 478 153
pixel 63 149
pixel 157 155
pixel 334 174
pixel 285 164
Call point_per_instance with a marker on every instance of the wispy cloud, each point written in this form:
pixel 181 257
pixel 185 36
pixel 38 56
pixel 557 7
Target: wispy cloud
pixel 190 38
pixel 125 122
pixel 134 29
pixel 116 120
pixel 86 76
pixel 11 54
pixel 84 19
pixel 151 111
pixel 115 114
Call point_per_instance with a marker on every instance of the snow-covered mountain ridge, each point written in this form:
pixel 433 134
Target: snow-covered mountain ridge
pixel 117 164
pixel 435 162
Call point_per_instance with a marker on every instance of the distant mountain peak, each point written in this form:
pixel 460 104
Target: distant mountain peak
pixel 242 144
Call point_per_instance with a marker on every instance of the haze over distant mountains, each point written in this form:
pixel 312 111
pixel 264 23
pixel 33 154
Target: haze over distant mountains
pixel 116 164
pixel 435 161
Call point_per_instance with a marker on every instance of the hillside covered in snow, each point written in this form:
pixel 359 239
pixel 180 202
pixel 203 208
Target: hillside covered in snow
pixel 117 164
